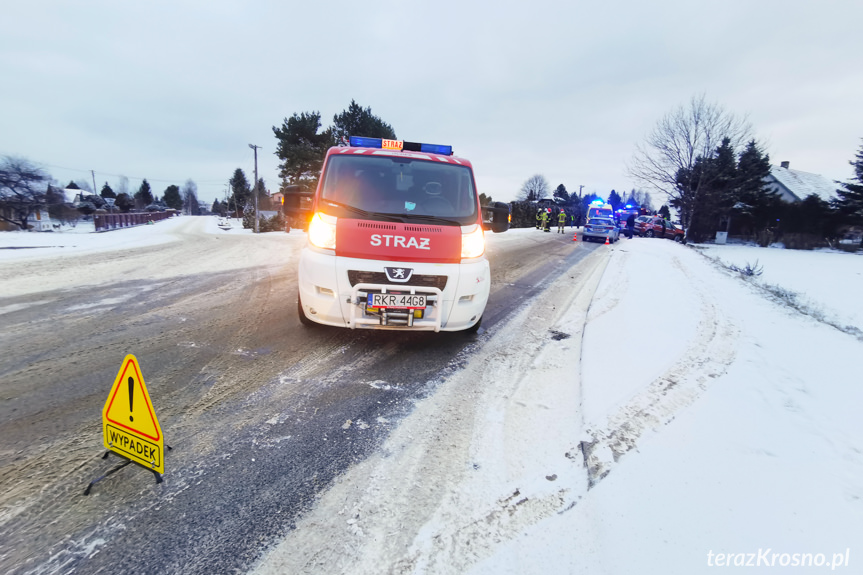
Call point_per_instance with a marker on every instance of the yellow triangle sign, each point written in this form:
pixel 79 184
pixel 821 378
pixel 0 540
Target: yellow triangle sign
pixel 129 423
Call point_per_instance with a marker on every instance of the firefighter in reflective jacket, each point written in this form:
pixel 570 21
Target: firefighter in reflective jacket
pixel 561 221
pixel 544 221
pixel 538 217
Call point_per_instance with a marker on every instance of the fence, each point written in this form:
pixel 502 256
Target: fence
pixel 105 222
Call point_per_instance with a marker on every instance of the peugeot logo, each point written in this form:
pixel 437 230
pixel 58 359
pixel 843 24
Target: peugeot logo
pixel 398 275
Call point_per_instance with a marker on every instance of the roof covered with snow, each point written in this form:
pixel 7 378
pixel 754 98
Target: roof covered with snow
pixel 71 194
pixel 802 184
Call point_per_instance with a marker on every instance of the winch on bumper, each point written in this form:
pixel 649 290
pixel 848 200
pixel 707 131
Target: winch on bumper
pixel 334 291
pixel 426 317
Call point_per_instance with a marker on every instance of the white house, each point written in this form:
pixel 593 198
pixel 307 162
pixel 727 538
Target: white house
pixel 72 195
pixel 794 185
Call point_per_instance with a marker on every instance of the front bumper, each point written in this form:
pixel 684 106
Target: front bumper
pixel 334 290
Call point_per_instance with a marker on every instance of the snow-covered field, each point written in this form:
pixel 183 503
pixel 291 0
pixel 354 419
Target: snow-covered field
pixel 81 238
pixel 709 425
pixel 827 281
pixel 680 418
pixel 751 441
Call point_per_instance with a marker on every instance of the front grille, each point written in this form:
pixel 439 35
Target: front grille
pixel 424 229
pixel 377 226
pixel 417 280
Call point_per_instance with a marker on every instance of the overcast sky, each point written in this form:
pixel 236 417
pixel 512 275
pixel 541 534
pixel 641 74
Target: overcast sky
pixel 175 90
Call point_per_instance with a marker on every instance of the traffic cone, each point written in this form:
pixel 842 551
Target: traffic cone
pixel 575 237
pixel 606 240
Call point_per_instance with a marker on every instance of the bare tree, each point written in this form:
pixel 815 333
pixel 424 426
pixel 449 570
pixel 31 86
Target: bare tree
pixel 190 198
pixel 122 185
pixel 667 157
pixel 645 201
pixel 535 188
pixel 22 190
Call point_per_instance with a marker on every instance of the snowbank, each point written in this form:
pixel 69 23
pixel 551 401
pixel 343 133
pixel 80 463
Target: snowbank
pixel 826 281
pixel 763 461
pixel 704 421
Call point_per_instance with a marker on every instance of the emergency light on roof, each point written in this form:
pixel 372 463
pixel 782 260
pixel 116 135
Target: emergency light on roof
pixel 363 142
pixel 598 202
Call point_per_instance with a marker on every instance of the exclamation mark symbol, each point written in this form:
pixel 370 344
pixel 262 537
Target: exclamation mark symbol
pixel 131 396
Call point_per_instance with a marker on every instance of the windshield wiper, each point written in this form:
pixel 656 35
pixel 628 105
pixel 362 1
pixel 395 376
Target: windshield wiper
pixel 433 219
pixel 364 213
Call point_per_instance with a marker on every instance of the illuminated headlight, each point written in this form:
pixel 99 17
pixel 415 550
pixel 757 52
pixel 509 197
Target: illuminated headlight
pixel 322 234
pixel 472 243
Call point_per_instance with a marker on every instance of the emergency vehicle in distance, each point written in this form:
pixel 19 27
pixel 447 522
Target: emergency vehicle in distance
pixel 395 240
pixel 599 209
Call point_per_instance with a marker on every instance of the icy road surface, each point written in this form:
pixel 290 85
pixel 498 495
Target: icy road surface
pixel 629 409
pixel 676 411
pixel 262 413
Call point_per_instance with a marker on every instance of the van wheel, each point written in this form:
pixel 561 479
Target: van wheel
pixel 475 327
pixel 302 315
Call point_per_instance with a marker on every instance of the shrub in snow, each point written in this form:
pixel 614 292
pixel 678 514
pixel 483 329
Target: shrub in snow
pixel 85 208
pixel 750 270
pixel 273 224
pixel 249 217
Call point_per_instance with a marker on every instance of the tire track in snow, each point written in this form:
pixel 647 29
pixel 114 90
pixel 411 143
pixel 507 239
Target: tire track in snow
pixel 707 357
pixel 459 476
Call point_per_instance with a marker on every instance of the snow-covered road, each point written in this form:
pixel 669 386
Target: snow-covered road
pixel 649 412
pixel 703 418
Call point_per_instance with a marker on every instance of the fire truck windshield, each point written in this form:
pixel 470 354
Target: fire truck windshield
pixel 407 187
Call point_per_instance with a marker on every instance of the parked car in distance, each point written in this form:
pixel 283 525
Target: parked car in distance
pixel 658 227
pixel 641 224
pixel 676 233
pixel 601 228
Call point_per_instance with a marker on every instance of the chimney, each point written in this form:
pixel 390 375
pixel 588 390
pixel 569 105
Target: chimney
pixel 785 165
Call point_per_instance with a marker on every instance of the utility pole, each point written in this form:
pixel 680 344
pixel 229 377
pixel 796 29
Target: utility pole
pixel 255 187
pixel 95 191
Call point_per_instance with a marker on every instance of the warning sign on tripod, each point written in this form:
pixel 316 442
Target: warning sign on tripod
pixel 129 423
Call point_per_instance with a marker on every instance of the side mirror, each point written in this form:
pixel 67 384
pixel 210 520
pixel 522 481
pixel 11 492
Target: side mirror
pixel 297 206
pixel 495 217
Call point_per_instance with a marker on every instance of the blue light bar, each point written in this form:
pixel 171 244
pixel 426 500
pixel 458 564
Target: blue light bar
pixel 436 149
pixel 363 142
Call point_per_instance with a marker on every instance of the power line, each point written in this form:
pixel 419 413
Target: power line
pixel 159 181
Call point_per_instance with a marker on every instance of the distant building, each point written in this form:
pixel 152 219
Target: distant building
pixel 72 195
pixel 38 221
pixel 794 185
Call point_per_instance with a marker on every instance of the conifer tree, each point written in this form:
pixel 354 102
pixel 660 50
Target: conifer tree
pixel 561 193
pixel 359 121
pixel 756 205
pixel 172 197
pixel 144 196
pixel 850 199
pixel 615 200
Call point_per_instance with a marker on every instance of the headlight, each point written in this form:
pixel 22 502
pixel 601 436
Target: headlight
pixel 321 233
pixel 472 243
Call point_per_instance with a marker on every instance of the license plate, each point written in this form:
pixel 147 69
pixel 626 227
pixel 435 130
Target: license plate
pixel 396 300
